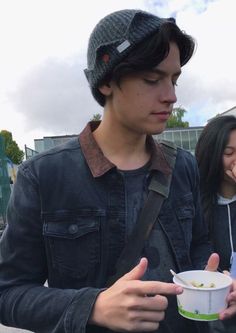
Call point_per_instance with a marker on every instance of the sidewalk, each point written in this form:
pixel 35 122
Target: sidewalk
pixel 5 329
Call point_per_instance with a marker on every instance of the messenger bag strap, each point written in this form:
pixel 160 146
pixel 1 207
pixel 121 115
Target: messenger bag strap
pixel 158 192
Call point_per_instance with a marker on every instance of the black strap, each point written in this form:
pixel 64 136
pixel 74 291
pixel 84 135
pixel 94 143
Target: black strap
pixel 158 192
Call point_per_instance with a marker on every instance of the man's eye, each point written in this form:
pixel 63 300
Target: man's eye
pixel 151 81
pixel 175 84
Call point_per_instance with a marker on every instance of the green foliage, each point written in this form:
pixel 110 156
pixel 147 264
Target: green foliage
pixel 12 149
pixel 96 117
pixel 175 119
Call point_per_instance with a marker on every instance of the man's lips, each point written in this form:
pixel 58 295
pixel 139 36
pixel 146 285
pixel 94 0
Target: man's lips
pixel 162 115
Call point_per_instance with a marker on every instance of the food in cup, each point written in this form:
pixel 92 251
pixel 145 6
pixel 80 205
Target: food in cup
pixel 203 303
pixel 202 285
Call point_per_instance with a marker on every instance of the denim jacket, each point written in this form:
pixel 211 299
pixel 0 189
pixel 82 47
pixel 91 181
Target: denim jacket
pixel 65 226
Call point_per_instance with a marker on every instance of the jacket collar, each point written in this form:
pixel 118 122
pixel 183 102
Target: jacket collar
pixel 99 164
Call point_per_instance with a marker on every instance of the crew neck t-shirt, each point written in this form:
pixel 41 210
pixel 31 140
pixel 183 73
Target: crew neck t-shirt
pixel 157 248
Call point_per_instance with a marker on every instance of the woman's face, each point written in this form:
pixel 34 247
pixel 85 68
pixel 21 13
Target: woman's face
pixel 229 159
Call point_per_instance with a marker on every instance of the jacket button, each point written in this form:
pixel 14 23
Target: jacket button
pixel 73 228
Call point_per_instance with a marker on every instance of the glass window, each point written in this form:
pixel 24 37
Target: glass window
pixel 39 145
pixel 185 140
pixel 48 143
pixel 193 139
pixel 177 138
pixel 199 131
pixel 169 136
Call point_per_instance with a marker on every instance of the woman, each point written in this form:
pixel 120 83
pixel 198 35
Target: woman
pixel 216 156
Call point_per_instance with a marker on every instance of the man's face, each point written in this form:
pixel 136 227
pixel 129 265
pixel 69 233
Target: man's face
pixel 143 103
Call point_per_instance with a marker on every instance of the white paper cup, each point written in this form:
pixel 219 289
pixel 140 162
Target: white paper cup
pixel 203 303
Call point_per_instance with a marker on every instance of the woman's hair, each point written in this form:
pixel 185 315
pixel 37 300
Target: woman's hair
pixel 209 154
pixel 153 50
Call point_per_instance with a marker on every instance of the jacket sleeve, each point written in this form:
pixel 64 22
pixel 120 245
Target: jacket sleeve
pixel 25 300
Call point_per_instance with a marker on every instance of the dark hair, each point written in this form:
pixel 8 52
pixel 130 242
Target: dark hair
pixel 149 53
pixel 209 152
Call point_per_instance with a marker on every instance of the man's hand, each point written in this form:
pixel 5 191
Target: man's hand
pixel 131 304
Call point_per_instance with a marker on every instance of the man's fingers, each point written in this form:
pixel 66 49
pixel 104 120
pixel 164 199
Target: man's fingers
pixel 153 303
pixel 213 262
pixel 137 272
pixel 152 288
pixel 149 316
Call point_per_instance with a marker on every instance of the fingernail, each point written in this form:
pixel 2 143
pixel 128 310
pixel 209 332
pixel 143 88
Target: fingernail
pixel 179 290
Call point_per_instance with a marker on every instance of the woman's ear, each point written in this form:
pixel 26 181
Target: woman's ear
pixel 105 89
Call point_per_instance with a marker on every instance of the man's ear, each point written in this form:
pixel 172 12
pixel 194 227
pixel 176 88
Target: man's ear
pixel 105 89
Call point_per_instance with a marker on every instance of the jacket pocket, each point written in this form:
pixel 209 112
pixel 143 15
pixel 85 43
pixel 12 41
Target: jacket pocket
pixel 185 213
pixel 73 241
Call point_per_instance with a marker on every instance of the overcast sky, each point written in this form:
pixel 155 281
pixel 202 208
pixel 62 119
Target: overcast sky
pixel 43 90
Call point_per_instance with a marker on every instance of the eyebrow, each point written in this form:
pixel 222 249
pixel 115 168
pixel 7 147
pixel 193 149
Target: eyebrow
pixel 163 73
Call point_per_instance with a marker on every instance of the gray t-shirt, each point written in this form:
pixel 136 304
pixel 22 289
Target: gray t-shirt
pixel 157 249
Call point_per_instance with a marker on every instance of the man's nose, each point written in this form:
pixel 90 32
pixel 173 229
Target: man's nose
pixel 168 94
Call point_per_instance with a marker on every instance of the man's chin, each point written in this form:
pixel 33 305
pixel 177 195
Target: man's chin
pixel 157 131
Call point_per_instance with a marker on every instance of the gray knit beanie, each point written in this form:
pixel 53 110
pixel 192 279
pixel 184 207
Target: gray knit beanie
pixel 112 39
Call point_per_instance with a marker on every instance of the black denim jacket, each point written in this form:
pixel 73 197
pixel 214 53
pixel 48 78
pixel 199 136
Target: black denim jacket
pixel 66 226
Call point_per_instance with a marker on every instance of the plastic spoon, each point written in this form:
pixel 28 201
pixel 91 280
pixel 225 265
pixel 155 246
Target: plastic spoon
pixel 180 279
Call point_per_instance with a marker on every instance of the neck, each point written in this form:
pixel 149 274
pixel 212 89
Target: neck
pixel 123 148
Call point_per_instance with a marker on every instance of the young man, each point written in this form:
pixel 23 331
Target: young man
pixel 74 207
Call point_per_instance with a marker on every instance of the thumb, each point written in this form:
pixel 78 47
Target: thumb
pixel 137 272
pixel 213 262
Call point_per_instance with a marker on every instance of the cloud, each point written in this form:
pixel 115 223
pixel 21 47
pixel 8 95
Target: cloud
pixel 167 8
pixel 209 80
pixel 43 90
pixel 55 97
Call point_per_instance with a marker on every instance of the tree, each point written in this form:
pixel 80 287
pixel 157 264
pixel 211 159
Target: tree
pixel 12 149
pixel 175 119
pixel 96 117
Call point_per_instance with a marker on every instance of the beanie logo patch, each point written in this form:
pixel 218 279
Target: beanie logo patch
pixel 106 58
pixel 123 46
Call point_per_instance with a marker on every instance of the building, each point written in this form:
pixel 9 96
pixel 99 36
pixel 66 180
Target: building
pixel 183 137
pixel 229 112
pixel 29 152
pixel 187 137
pixel 46 143
pixel 51 141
